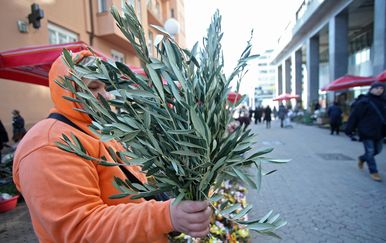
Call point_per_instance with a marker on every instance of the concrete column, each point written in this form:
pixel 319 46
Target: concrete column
pixel 379 57
pixel 338 45
pixel 279 86
pixel 312 70
pixel 287 76
pixel 298 72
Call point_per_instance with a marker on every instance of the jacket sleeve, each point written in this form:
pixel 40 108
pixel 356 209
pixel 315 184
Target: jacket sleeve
pixel 62 192
pixel 354 117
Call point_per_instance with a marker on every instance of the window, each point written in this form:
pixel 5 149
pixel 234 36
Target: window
pixel 150 43
pixel 139 12
pixel 158 10
pixel 362 56
pixel 102 6
pixel 59 35
pixel 117 56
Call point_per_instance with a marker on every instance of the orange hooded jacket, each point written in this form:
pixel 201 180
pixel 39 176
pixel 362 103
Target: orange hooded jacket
pixel 67 196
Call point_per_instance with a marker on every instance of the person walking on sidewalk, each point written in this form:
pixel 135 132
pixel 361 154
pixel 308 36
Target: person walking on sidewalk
pixel 335 114
pixel 268 116
pixel 258 114
pixel 369 117
pixel 282 113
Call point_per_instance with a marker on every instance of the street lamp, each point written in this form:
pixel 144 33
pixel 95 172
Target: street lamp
pixel 172 26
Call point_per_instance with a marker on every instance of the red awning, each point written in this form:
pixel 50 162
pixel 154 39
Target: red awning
pixel 233 97
pixel 31 64
pixel 286 96
pixel 348 81
pixel 381 77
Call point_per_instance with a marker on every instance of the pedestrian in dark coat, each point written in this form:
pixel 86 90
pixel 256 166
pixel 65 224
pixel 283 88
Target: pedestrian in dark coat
pixel 274 111
pixel 250 113
pixel 258 114
pixel 369 117
pixel 352 106
pixel 3 137
pixel 18 126
pixel 282 113
pixel 267 116
pixel 335 114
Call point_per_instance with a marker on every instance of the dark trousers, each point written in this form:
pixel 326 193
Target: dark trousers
pixel 334 127
pixel 268 123
pixel 372 148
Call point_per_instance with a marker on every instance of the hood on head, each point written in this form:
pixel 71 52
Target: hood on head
pixel 377 84
pixel 60 69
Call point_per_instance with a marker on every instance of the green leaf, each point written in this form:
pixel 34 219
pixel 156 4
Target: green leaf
pixel 260 227
pixel 156 81
pixel 109 163
pixel 278 160
pixel 185 153
pixel 179 198
pixel 259 153
pixel 264 219
pixel 216 197
pixel 244 178
pixel 64 147
pixel 68 58
pixel 191 145
pixel 160 29
pixel 119 196
pixel 273 219
pixel 231 209
pixel 197 123
pixel 168 181
pixel 242 213
pixel 180 131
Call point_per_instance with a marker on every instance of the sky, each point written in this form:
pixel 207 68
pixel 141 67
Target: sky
pixel 268 18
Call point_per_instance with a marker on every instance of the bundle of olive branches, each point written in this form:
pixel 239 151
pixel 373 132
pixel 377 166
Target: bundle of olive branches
pixel 173 121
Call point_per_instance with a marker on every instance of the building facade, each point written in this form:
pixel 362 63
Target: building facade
pixel 327 39
pixel 266 75
pixel 66 21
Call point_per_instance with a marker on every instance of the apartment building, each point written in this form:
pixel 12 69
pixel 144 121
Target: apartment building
pixel 65 21
pixel 265 84
pixel 325 40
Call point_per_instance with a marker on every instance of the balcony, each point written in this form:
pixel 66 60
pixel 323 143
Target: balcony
pixel 154 13
pixel 106 29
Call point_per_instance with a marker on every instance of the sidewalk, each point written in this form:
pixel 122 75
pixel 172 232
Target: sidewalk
pixel 321 192
pixel 16 226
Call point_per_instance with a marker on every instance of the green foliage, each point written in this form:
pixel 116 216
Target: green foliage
pixel 173 121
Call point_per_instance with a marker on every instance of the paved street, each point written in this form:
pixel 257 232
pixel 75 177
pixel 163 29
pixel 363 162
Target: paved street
pixel 321 192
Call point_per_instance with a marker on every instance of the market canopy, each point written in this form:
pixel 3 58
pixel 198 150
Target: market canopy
pixel 286 96
pixel 233 97
pixel 31 64
pixel 381 77
pixel 348 81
